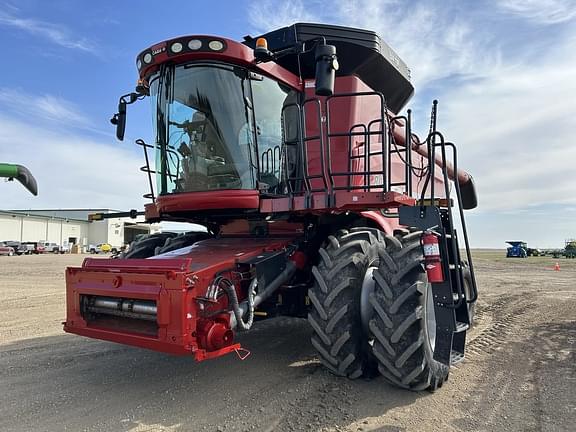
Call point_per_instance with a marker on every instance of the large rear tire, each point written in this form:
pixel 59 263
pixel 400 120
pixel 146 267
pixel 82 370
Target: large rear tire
pixel 403 325
pixel 335 310
pixel 145 247
pixel 159 243
pixel 181 241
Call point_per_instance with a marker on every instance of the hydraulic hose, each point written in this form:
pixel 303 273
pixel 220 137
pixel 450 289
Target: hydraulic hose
pixel 250 305
pixel 230 290
pixel 465 180
pixel 399 128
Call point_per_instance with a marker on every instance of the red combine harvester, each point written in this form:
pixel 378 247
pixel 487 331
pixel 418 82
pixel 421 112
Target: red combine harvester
pixel 318 200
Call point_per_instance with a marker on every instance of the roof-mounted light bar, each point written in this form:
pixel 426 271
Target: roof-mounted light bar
pixel 178 47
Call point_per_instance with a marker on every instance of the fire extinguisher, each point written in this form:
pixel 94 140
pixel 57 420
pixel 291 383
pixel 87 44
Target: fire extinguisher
pixel 432 261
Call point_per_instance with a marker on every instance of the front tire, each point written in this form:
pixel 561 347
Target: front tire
pixel 403 326
pixel 159 243
pixel 146 246
pixel 335 310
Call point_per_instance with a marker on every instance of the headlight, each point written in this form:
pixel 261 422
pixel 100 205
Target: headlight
pixel 176 47
pixel 147 58
pixel 216 45
pixel 195 44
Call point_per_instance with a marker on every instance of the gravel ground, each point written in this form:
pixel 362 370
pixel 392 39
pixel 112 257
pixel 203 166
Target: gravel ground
pixel 519 373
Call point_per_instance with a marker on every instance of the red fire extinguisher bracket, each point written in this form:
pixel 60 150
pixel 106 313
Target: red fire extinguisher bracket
pixel 432 258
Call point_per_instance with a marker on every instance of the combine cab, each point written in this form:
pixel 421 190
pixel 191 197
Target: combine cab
pixel 319 203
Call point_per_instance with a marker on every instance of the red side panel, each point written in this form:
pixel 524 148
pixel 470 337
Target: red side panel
pixel 175 283
pixel 343 113
pixel 163 282
pixel 212 200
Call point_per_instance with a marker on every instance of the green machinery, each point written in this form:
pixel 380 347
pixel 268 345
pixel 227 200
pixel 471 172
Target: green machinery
pixel 20 173
pixel 570 248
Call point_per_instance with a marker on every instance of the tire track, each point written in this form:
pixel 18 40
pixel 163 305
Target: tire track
pixel 504 315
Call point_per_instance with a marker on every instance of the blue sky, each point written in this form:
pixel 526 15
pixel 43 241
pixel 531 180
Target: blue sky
pixel 503 70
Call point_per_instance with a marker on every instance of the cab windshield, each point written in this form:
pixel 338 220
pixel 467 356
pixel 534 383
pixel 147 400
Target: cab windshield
pixel 208 134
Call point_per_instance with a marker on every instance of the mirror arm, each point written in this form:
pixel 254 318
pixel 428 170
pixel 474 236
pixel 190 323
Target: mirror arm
pixel 119 119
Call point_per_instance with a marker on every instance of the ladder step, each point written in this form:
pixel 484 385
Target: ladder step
pixel 455 297
pixel 456 357
pixel 460 327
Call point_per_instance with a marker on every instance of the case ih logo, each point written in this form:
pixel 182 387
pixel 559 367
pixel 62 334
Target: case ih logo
pixel 157 51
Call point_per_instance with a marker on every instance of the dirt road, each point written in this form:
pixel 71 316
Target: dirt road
pixel 519 374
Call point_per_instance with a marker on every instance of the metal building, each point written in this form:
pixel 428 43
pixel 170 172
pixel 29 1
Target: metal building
pixel 70 226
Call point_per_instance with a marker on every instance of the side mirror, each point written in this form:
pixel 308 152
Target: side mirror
pixel 326 67
pixel 119 119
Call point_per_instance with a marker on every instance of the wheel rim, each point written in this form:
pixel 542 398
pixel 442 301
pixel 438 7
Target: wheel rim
pixel 367 289
pixel 430 317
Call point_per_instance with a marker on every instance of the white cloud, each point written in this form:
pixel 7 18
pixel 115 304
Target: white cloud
pixel 515 129
pixel 56 34
pixel 265 16
pixel 433 42
pixel 540 11
pixel 46 107
pixel 72 171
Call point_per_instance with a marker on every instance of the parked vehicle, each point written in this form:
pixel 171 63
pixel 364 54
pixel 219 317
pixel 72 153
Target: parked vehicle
pixel 6 250
pixel 19 248
pixel 28 247
pixel 517 249
pixel 34 247
pixel 51 247
pixel 102 248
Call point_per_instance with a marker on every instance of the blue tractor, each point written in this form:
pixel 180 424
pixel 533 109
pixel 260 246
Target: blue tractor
pixel 517 249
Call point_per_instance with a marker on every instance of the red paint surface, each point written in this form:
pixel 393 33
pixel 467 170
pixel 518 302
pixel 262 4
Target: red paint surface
pixel 221 199
pixel 174 282
pixel 235 53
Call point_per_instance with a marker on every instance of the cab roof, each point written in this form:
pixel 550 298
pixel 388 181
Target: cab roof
pixel 360 52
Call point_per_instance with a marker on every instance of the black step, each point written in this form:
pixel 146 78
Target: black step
pixel 456 357
pixel 461 327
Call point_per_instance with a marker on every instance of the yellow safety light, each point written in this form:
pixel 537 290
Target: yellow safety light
pixel 262 43
pixel 261 53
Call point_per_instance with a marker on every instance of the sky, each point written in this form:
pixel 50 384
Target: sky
pixel 504 72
